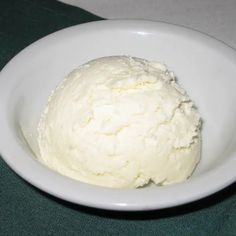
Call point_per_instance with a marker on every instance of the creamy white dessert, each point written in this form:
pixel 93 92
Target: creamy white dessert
pixel 120 122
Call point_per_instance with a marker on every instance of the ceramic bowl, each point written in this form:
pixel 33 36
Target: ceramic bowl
pixel 205 67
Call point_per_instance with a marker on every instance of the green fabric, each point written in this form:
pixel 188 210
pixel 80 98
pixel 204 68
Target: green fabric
pixel 25 210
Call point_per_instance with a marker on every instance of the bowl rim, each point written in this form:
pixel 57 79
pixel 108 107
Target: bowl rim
pixel 101 197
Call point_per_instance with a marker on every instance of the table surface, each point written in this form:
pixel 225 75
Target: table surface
pixel 25 210
pixel 214 17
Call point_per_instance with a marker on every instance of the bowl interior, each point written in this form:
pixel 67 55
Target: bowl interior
pixel 205 72
pixel 204 67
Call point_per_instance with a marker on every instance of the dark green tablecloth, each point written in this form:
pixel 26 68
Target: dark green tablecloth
pixel 25 210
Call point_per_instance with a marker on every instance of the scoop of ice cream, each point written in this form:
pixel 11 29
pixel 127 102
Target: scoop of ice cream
pixel 120 122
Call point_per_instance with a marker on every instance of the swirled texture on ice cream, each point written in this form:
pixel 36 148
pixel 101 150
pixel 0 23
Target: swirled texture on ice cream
pixel 120 122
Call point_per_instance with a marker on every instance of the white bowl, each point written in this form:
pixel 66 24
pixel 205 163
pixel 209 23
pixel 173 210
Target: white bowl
pixel 205 67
